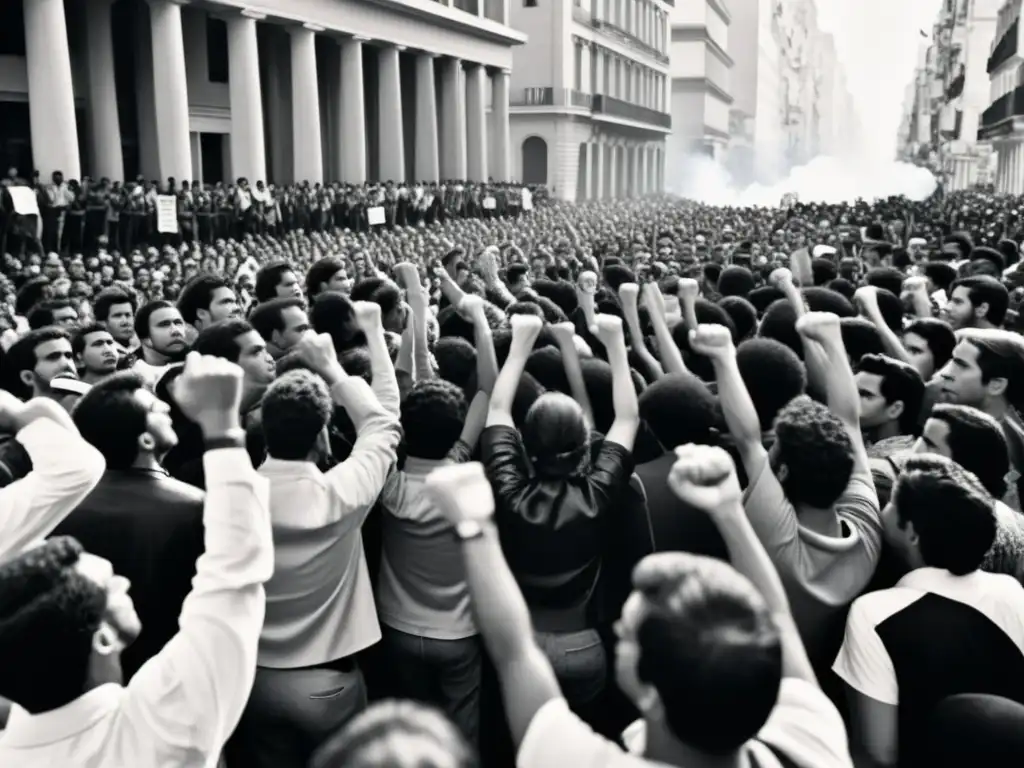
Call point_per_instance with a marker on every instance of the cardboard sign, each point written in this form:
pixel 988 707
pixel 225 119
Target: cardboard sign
pixel 167 214
pixel 375 215
pixel 24 201
pixel 490 203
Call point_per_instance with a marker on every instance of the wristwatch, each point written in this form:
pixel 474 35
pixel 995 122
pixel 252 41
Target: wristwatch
pixel 467 530
pixel 232 438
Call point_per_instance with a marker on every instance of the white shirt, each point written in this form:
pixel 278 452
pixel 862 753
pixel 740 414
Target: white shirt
pixel 65 469
pixel 184 703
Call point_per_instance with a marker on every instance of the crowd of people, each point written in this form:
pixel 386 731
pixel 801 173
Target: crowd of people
pixel 619 483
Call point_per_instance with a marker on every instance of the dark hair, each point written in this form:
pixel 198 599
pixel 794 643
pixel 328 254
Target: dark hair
pixel 31 293
pixel 379 290
pixel 900 383
pixel 977 443
pixel 779 324
pixel 982 289
pixel 710 648
pixel 887 278
pixel 145 313
pixel 816 450
pixel 321 272
pixel 941 274
pixel 773 374
pixel 268 316
pixel 554 435
pixel 78 340
pixel 680 409
pixel 991 255
pixel 107 299
pixel 824 270
pixel 456 362
pixel 742 314
pixel 711 272
pixel 1000 356
pixel 219 339
pixel 860 337
pixel 941 339
pixel 843 287
pixel 296 408
pixel 22 357
pixel 953 515
pixel 616 275
pixel 891 308
pixel 42 314
pixel 516 272
pixel 48 615
pixel 433 414
pixel 332 313
pixel 707 313
pixel 267 279
pixel 736 281
pixel 112 420
pixel 198 294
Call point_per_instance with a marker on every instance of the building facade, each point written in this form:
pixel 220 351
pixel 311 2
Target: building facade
pixel 281 90
pixel 1003 122
pixel 589 102
pixel 701 81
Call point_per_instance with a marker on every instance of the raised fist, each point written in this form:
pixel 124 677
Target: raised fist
pixel 653 300
pixel 712 341
pixel 526 327
pixel 688 290
pixel 781 277
pixel 471 305
pixel 208 386
pixel 587 282
pixel 705 477
pixel 629 293
pixel 607 328
pixel 461 492
pixel 367 316
pixel 563 332
pixel 317 351
pixel 819 326
pixel 408 276
pixel 866 298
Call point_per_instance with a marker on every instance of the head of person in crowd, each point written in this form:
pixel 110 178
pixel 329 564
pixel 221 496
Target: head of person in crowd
pixel 456 362
pixel 736 281
pixel 208 299
pixel 281 322
pixel 708 313
pixel 433 414
pixel 332 313
pixel 327 274
pixel 95 352
pixel 126 422
pixel 236 340
pixel 36 359
pixel 972 439
pixel 555 435
pixel 34 290
pixel 957 246
pixel 699 655
pixel 891 393
pixel 74 603
pixel 297 408
pixel 388 295
pixel 115 309
pixel 940 276
pixel 160 329
pixel 680 409
pixel 930 343
pixel 986 261
pixel 277 280
pixel 773 374
pixel 58 312
pixel 399 734
pixel 824 271
pixel 986 371
pixel 887 278
pixel 517 278
pixel 742 314
pixel 940 516
pixel 976 302
pixel 860 337
pixel 812 456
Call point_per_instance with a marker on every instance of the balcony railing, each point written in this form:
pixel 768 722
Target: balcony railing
pixel 1005 49
pixel 606 105
pixel 550 97
pixel 625 38
pixel 1006 106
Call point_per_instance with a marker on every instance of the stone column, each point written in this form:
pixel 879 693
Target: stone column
pixel 170 86
pixel 106 157
pixel 453 122
pixel 51 105
pixel 642 170
pixel 428 166
pixel 598 185
pixel 248 147
pixel 307 146
pixel 502 131
pixel 613 172
pixel 598 78
pixel 390 129
pixel 352 125
pixel 476 134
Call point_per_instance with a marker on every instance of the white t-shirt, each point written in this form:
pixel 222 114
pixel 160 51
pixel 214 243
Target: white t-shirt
pixel 804 726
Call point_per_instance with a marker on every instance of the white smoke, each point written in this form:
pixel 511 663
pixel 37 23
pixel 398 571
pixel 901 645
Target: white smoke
pixel 822 180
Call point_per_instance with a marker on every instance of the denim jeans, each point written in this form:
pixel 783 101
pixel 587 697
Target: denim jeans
pixel 443 673
pixel 580 664
pixel 291 712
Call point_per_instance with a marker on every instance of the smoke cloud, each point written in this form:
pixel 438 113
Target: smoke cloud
pixel 823 180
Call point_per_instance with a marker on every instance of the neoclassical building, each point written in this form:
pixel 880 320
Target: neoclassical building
pixel 589 104
pixel 282 90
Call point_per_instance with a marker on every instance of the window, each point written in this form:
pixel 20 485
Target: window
pixel 529 3
pixel 217 50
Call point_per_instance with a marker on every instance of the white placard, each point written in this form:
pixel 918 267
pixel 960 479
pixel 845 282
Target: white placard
pixel 24 201
pixel 167 214
pixel 527 200
pixel 375 215
pixel 490 203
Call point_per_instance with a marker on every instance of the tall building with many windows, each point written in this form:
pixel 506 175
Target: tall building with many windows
pixel 1002 122
pixel 283 90
pixel 589 101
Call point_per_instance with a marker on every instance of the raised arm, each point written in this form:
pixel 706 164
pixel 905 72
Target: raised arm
pixel 525 329
pixel 420 305
pixel 486 369
pixel 525 675
pixel 609 331
pixel 629 294
pixel 688 291
pixel 565 334
pixel 65 468
pixel 715 343
pixel 190 696
pixel 671 357
pixel 866 299
pixel 382 370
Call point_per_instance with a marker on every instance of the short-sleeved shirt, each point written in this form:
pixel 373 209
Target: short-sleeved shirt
pixel 822 574
pixel 804 727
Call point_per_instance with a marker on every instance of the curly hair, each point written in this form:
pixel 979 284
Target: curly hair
pixel 774 375
pixel 433 414
pixel 816 450
pixel 296 409
pixel 49 613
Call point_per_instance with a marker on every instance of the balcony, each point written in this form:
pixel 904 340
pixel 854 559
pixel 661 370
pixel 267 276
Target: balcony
pixel 1004 108
pixel 623 37
pixel 606 105
pixel 550 97
pixel 1005 49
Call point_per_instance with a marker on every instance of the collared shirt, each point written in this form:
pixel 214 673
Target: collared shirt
pixel 65 469
pixel 185 702
pixel 320 603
